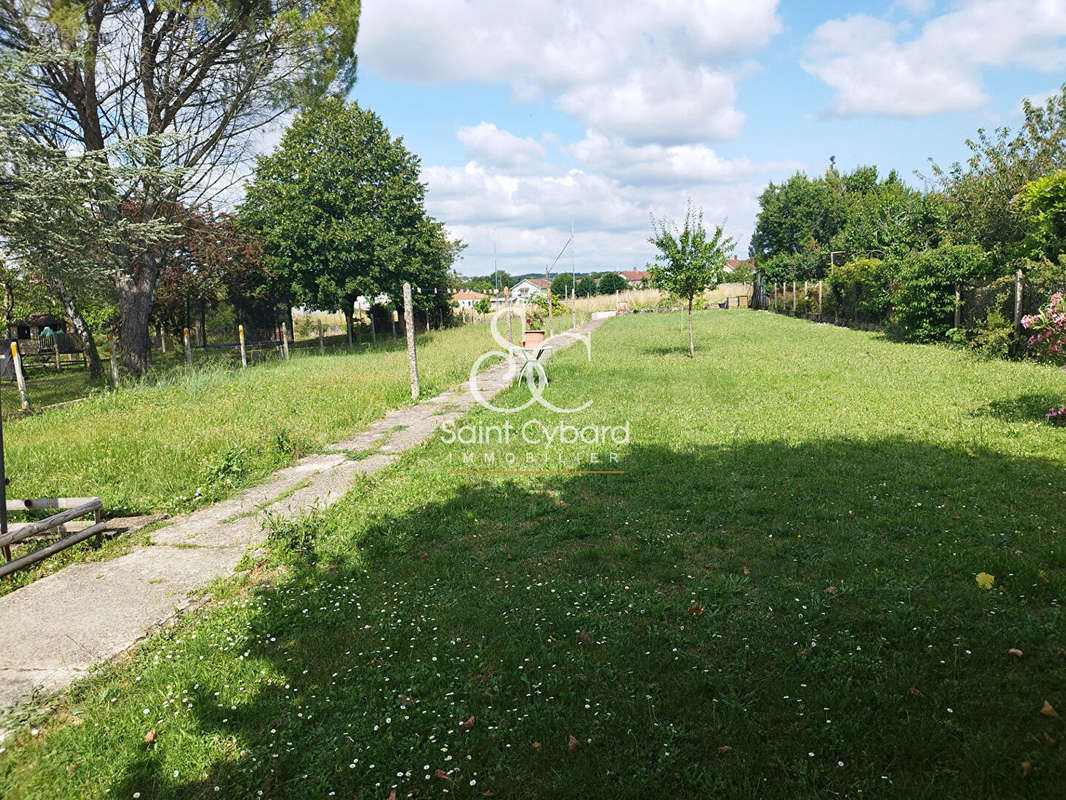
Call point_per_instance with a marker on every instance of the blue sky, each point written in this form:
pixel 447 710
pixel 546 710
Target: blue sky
pixel 529 118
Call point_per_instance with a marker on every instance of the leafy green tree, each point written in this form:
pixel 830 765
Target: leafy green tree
pixel 189 81
pixel 981 192
pixel 688 262
pixel 338 209
pixel 1043 205
pixel 611 282
pixel 562 284
pixel 586 286
pixel 489 283
pixel 51 219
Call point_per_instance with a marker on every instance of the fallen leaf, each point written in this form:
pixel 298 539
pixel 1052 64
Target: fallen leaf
pixel 1014 651
pixel 708 566
pixel 392 795
pixel 803 653
pixel 747 571
pixel 444 776
pixel 1027 768
pixel 1042 575
pixel 1049 738
pixel 405 701
pixel 724 748
pixel 572 744
pixel 468 723
pixel 150 736
pixel 586 638
pixel 916 692
pixel 695 610
pixel 1048 710
pixel 985 581
pixel 72 768
pixel 423 555
pixel 537 746
pixel 831 590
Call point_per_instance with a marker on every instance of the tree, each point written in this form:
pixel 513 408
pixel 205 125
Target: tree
pixel 489 283
pixel 1043 205
pixel 338 210
pixel 982 191
pixel 189 79
pixel 688 261
pixel 562 284
pixel 51 219
pixel 586 286
pixel 611 282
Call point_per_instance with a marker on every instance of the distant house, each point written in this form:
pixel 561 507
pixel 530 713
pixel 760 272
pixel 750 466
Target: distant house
pixel 734 264
pixel 468 299
pixel 528 288
pixel 636 278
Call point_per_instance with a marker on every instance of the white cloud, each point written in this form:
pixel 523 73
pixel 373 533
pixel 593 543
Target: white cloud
pixel 529 216
pixel 876 69
pixel 490 145
pixel 670 103
pixel 642 69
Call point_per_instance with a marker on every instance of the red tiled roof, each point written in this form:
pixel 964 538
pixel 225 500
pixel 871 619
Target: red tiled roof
pixel 543 283
pixel 466 294
pixel 635 274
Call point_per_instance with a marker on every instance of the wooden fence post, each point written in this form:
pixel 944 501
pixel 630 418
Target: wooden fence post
pixel 16 363
pixel 188 349
pixel 819 300
pixel 321 340
pixel 958 306
pixel 1018 282
pixel 114 362
pixel 793 297
pixel 285 341
pixel 409 327
pixel 244 353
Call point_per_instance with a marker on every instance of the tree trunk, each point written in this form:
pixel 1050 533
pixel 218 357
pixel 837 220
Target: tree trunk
pixel 70 306
pixel 348 325
pixel 135 296
pixel 691 343
pixel 292 327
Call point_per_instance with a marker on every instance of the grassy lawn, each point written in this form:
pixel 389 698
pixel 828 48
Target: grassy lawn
pixel 776 598
pixel 182 440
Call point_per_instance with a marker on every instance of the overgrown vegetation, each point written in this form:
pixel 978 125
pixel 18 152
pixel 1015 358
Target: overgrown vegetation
pixel 778 597
pixel 890 254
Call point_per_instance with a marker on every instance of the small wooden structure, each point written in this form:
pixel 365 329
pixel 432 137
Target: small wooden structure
pixel 70 509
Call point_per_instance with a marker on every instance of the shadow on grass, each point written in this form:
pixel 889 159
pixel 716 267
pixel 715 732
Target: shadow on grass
pixel 676 619
pixel 1023 408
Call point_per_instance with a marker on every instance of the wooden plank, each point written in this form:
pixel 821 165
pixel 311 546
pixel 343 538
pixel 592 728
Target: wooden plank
pixel 54 521
pixel 49 502
pixel 39 555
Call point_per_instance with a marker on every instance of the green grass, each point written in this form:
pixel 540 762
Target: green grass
pixel 185 439
pixel 677 620
pixel 46 387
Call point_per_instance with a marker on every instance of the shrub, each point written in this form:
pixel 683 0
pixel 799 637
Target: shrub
pixel 923 298
pixel 860 289
pixel 994 336
pixel 483 306
pixel 1048 329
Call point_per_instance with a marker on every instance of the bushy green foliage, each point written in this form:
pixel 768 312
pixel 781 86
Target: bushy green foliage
pixel 923 298
pixel 860 289
pixel 483 306
pixel 611 282
pixel 1043 204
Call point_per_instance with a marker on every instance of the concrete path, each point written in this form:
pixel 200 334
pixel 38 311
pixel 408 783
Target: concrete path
pixel 53 630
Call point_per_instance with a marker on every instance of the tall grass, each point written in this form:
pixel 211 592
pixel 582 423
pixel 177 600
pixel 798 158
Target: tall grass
pixel 188 437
